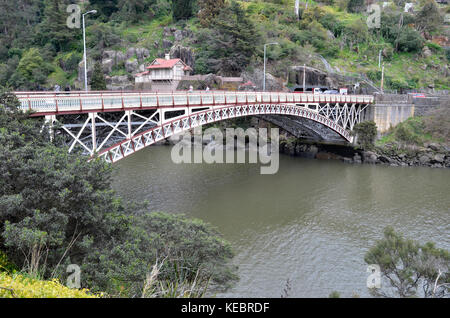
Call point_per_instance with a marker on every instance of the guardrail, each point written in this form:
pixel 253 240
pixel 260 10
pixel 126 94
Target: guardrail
pixel 77 102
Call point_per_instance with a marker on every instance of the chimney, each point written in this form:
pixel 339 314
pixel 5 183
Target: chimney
pixel 167 56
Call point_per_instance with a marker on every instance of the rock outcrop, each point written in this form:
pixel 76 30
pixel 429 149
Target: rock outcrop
pixel 186 54
pixel 257 78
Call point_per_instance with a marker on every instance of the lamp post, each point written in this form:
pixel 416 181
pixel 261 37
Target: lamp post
pixel 265 45
pixel 84 45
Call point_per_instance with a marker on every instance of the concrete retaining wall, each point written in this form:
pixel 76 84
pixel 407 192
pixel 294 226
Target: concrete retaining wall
pixel 389 110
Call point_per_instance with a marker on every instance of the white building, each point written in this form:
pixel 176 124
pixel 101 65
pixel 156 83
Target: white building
pixel 163 74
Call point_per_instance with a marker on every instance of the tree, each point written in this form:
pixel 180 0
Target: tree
pixel 132 11
pixel 409 40
pixel 355 6
pixel 208 10
pixel 105 8
pixel 182 9
pixel 57 209
pixel 53 29
pixel 98 82
pixel 227 47
pixel 411 269
pixel 366 133
pixel 32 70
pixel 428 18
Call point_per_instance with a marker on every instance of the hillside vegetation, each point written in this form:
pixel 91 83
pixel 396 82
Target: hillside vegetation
pixel 38 50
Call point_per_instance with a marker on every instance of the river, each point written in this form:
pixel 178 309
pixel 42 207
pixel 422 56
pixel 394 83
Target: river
pixel 311 223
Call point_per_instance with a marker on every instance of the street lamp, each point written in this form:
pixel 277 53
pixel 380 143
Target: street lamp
pixel 84 45
pixel 264 82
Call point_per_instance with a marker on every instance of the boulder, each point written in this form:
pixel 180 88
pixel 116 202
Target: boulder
pixel 424 160
pixel 426 52
pixel 257 78
pixel 178 35
pixel 132 66
pixel 369 157
pixel 330 35
pixel 166 32
pixel 142 53
pixel 131 52
pixel 439 157
pixel 434 146
pixel 107 65
pixel 117 57
pixel 166 44
pixel 384 159
pixel 186 54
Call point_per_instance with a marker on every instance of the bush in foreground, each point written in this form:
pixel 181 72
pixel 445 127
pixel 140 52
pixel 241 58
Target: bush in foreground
pixel 21 286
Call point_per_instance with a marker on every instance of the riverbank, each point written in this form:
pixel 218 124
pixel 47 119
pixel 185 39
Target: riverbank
pixel 430 155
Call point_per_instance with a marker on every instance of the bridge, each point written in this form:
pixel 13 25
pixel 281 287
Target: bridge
pixel 114 125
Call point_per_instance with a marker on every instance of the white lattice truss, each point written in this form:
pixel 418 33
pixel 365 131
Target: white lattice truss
pixel 339 113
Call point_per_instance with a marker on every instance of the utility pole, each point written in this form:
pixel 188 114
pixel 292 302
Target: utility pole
pixel 379 59
pixel 84 45
pixel 382 79
pixel 264 81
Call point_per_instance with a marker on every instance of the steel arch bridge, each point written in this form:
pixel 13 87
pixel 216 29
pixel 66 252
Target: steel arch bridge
pixel 162 115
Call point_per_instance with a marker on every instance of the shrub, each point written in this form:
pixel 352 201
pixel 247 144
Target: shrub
pixel 374 75
pixel 433 46
pixel 20 286
pixel 409 40
pixel 366 133
pixel 5 264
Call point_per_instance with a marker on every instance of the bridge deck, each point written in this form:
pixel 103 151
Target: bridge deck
pixel 52 103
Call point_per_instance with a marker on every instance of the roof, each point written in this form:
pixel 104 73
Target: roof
pixel 163 63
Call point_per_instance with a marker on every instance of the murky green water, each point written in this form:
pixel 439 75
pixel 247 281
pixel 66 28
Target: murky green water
pixel 311 223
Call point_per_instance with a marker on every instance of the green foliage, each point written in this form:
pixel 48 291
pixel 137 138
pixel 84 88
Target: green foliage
pixel 182 9
pixel 434 47
pixel 409 40
pixel 98 82
pixel 366 132
pixel 374 75
pixel 57 209
pixel 227 48
pixel 32 70
pixel 437 123
pixel 133 11
pixel 418 130
pixel 120 23
pixel 54 29
pixel 208 10
pixel 355 6
pixel 334 294
pixel 410 269
pixel 6 265
pixel 429 18
pixel 22 286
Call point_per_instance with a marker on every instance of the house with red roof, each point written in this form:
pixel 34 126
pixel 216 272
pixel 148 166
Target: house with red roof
pixel 164 74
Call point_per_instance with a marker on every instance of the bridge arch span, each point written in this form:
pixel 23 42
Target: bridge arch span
pixel 184 123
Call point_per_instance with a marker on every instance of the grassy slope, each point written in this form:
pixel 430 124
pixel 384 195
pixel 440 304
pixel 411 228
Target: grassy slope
pixel 275 23
pixel 412 131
